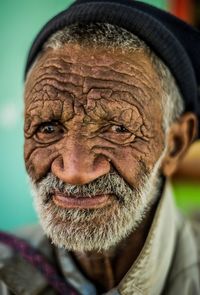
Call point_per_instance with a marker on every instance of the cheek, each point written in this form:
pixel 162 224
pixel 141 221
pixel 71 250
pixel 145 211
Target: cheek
pixel 130 170
pixel 38 160
pixel 133 162
pixel 130 163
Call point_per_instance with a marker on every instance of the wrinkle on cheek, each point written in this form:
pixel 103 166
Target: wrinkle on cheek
pixel 133 172
pixel 139 162
pixel 116 151
pixel 134 154
pixel 38 161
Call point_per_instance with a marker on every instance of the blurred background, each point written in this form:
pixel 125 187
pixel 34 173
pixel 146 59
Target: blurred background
pixel 19 22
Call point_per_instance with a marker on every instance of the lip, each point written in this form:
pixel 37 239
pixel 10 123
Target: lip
pixel 67 202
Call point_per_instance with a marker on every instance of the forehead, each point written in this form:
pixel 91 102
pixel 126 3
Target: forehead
pixel 86 74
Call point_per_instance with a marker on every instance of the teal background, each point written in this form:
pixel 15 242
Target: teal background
pixel 19 22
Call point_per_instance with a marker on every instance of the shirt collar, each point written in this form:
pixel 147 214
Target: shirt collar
pixel 148 273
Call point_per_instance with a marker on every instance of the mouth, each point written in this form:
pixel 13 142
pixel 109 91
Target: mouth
pixel 94 202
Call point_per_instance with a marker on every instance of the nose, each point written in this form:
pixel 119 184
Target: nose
pixel 77 164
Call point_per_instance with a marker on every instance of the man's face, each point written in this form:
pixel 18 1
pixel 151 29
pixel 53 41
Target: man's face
pixel 93 142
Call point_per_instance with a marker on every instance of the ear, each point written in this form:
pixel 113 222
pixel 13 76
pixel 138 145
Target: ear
pixel 180 136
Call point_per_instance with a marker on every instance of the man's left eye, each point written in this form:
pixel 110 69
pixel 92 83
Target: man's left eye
pixel 118 134
pixel 119 129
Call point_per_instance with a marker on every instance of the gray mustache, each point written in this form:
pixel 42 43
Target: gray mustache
pixel 111 183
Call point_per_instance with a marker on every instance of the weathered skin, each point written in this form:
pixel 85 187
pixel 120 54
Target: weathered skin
pixel 103 110
pixel 89 94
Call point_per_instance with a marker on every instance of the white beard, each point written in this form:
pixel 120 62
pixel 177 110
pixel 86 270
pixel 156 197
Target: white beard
pixel 95 229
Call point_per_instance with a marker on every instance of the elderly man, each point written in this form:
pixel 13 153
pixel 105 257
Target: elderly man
pixel 111 107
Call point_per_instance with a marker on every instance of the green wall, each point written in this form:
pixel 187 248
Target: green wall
pixel 158 3
pixel 19 22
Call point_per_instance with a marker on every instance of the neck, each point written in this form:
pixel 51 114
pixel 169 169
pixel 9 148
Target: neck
pixel 106 269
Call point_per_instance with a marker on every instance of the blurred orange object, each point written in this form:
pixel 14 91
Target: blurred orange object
pixel 183 9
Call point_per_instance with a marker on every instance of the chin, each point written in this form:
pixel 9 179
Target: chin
pixel 85 230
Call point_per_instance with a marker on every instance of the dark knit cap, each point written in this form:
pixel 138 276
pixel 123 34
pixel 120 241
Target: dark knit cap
pixel 174 41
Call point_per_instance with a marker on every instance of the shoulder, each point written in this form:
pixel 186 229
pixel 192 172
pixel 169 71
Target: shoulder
pixel 15 272
pixel 32 234
pixel 184 274
pixel 195 226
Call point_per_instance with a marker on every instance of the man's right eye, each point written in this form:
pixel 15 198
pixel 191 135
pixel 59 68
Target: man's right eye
pixel 47 129
pixel 49 132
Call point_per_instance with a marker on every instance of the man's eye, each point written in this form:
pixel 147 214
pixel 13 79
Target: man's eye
pixel 47 129
pixel 49 132
pixel 118 134
pixel 119 129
